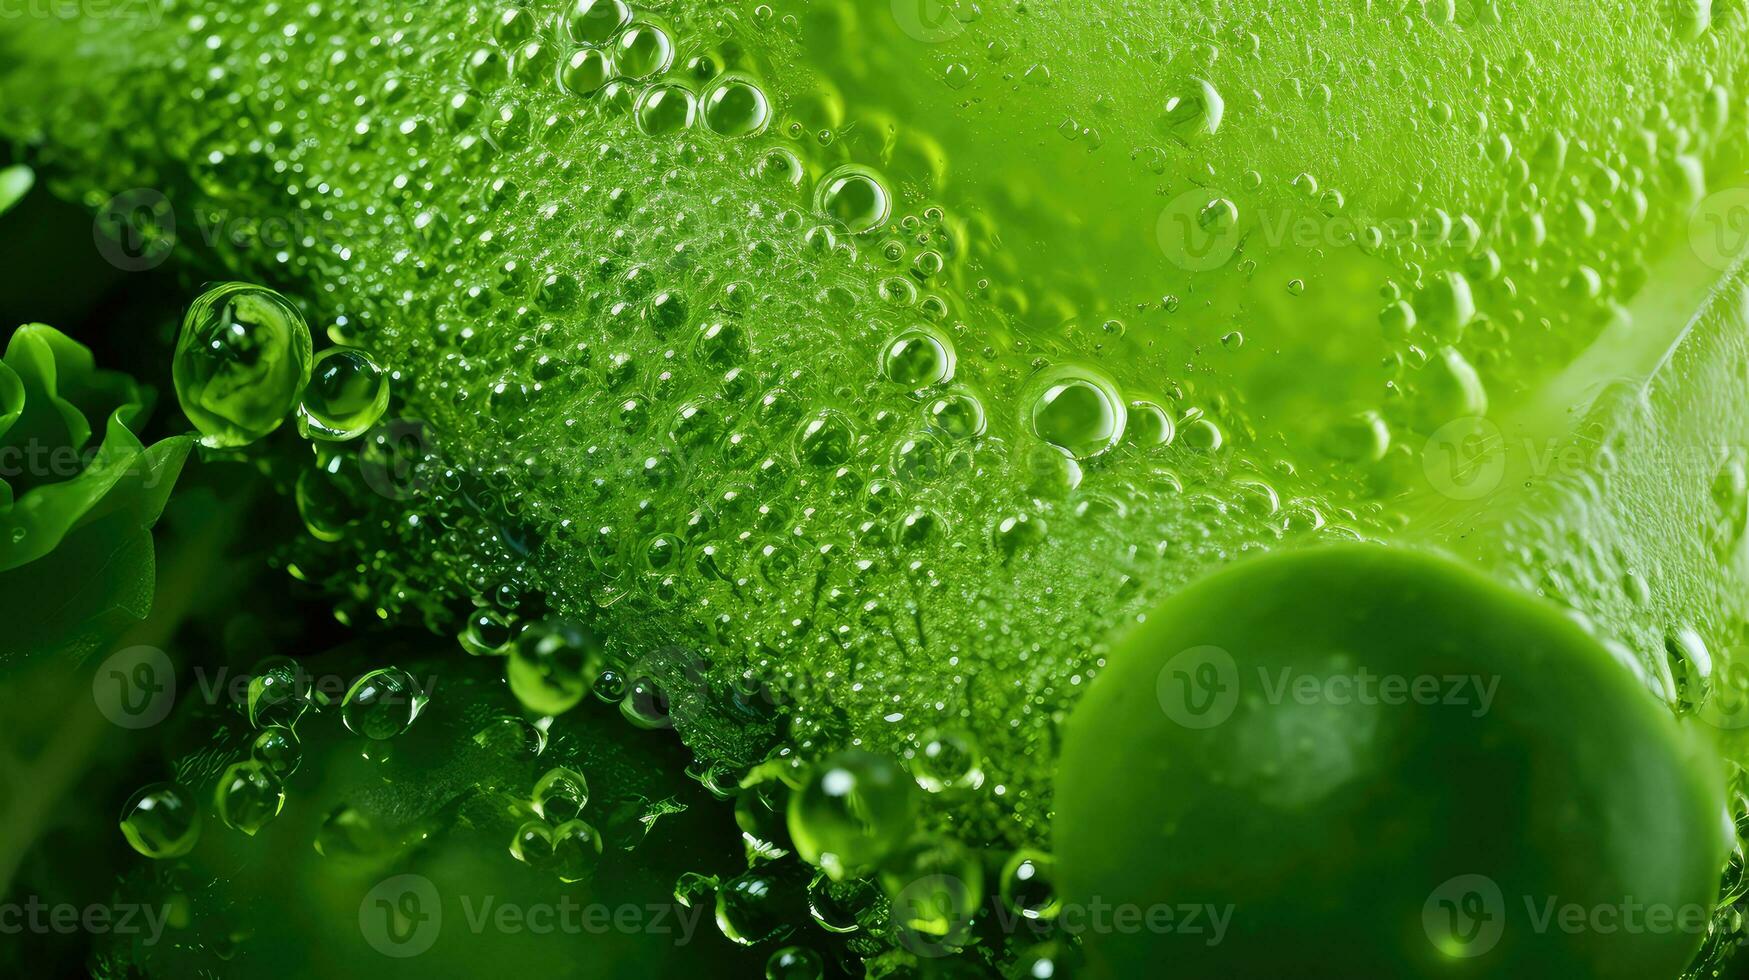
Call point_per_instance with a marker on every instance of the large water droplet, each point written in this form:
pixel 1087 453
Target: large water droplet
pixel 248 797
pixel 161 821
pixel 855 198
pixel 853 809
pixel 242 361
pixel 347 394
pixel 1077 409
pixel 735 106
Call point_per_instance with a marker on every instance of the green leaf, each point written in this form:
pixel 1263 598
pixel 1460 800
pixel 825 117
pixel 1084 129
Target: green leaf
pixel 76 560
pixel 15 182
pixel 50 481
pixel 83 594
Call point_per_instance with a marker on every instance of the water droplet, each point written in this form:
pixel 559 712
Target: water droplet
pixel 854 197
pixel 1149 424
pixel 382 704
pixel 595 21
pixel 1449 389
pixel 585 71
pixel 512 25
pixel 947 759
pixel 853 809
pixel 1195 112
pixel 1730 495
pixel 644 50
pixel 1691 668
pixel 1201 434
pixel 560 795
pixel 488 633
pixel 551 666
pixel 734 106
pixel 645 704
pixel 161 821
pixel 826 440
pixel 936 885
pixel 1363 437
pixel 347 394
pixel 666 109
pixel 843 906
pixel 754 908
pixel 274 697
pixel 794 963
pixel 958 416
pixel 1446 307
pixel 248 797
pixel 576 850
pixel 242 361
pixel 532 844
pixel 348 834
pixel 1078 410
pixel 1029 886
pixel 279 750
pixel 512 737
pixel 918 357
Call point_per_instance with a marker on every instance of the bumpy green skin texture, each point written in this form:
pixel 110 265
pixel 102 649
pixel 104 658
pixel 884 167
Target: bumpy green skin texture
pixel 1328 828
pixel 1621 504
pixel 428 238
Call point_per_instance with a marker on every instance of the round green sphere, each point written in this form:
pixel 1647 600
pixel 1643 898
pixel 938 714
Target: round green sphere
pixel 854 808
pixel 161 821
pixel 1362 761
pixel 242 362
pixel 347 394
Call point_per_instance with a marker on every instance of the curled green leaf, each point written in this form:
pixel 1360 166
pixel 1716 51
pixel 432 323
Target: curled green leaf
pixel 53 477
pixel 76 505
